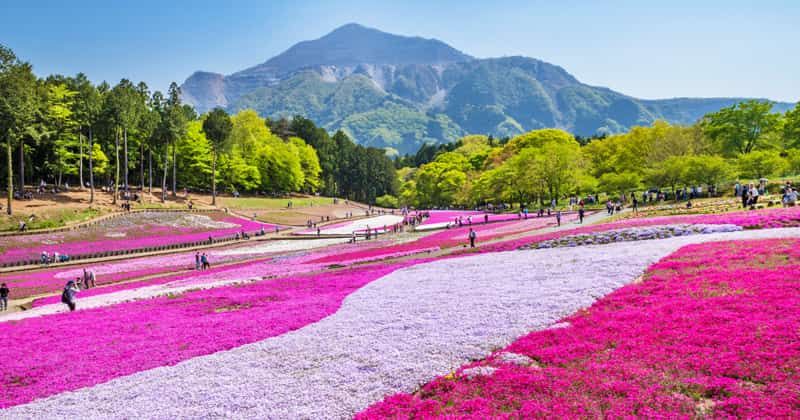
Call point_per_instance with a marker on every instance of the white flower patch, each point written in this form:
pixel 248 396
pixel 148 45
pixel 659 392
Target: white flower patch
pixel 281 246
pixel 377 222
pixel 390 336
pixel 474 372
pixel 514 359
pixel 634 234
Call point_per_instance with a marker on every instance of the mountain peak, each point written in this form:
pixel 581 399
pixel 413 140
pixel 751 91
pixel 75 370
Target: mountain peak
pixel 354 44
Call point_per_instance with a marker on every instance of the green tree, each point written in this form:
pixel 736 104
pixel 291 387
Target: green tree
pixel 761 164
pixel 621 183
pixel 217 128
pixel 87 107
pixel 17 107
pixel 708 170
pixel 387 201
pixel 791 128
pixel 741 128
pixel 669 173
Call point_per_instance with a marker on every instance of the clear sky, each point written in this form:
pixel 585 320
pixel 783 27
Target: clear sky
pixel 675 48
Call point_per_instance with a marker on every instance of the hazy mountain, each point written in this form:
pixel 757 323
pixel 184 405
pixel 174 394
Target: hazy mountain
pixel 395 91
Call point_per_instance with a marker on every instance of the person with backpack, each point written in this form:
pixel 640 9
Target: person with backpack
pixel 204 260
pixel 68 295
pixel 4 297
pixel 472 236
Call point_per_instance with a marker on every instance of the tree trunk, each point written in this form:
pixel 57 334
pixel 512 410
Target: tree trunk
pixel 164 177
pixel 174 172
pixel 91 169
pixel 214 177
pixel 10 184
pixel 80 156
pixel 22 167
pixel 116 165
pixel 141 167
pixel 125 140
pixel 150 169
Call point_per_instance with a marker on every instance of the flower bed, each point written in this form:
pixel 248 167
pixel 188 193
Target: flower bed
pixel 751 219
pixel 59 353
pixel 448 238
pixel 25 284
pixel 711 332
pixel 632 234
pixel 397 332
pixel 134 231
pixel 360 225
pixel 440 219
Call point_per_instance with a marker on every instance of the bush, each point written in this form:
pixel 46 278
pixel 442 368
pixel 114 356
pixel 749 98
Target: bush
pixel 388 201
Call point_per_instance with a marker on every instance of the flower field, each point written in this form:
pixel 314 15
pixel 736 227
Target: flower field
pixel 132 231
pixel 697 318
pixel 711 331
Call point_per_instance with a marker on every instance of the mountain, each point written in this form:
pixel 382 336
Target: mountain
pixel 398 92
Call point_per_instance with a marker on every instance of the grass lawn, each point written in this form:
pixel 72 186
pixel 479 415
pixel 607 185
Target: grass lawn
pixel 255 203
pixel 51 218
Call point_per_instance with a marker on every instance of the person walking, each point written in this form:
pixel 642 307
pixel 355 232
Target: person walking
pixel 204 260
pixel 68 295
pixel 90 280
pixel 197 261
pixel 4 291
pixel 558 217
pixel 745 196
pixel 635 203
pixel 580 215
pixel 472 236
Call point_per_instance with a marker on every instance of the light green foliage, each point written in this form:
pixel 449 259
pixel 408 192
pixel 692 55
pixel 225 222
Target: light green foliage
pixel 670 173
pixel 741 128
pixel 791 127
pixel 100 164
pixel 622 182
pixel 707 170
pixel 194 151
pixel 309 162
pixel 387 201
pixel 793 160
pixel 761 164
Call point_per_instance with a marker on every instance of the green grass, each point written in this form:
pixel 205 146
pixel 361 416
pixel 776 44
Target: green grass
pixel 51 219
pixel 259 203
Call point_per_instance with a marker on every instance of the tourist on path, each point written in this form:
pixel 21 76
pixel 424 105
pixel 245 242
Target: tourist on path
pixel 558 217
pixel 204 261
pixel 68 295
pixel 4 297
pixel 580 214
pixel 91 279
pixel 745 196
pixel 88 279
pixel 472 236
pixel 197 261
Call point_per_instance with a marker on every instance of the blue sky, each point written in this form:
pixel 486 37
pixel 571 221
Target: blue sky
pixel 669 49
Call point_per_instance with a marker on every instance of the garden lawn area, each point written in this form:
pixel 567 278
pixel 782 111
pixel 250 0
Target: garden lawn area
pixel 712 330
pixel 255 203
pixel 49 218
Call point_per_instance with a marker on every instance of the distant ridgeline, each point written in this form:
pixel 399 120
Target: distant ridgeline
pixel 399 92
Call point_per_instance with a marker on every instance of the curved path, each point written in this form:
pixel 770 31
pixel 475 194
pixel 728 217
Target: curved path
pixel 390 336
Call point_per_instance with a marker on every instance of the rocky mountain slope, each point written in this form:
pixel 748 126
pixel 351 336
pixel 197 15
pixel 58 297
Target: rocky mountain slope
pixel 397 92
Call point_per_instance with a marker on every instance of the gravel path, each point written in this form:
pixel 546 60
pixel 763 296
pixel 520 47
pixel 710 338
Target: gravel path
pixel 390 336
